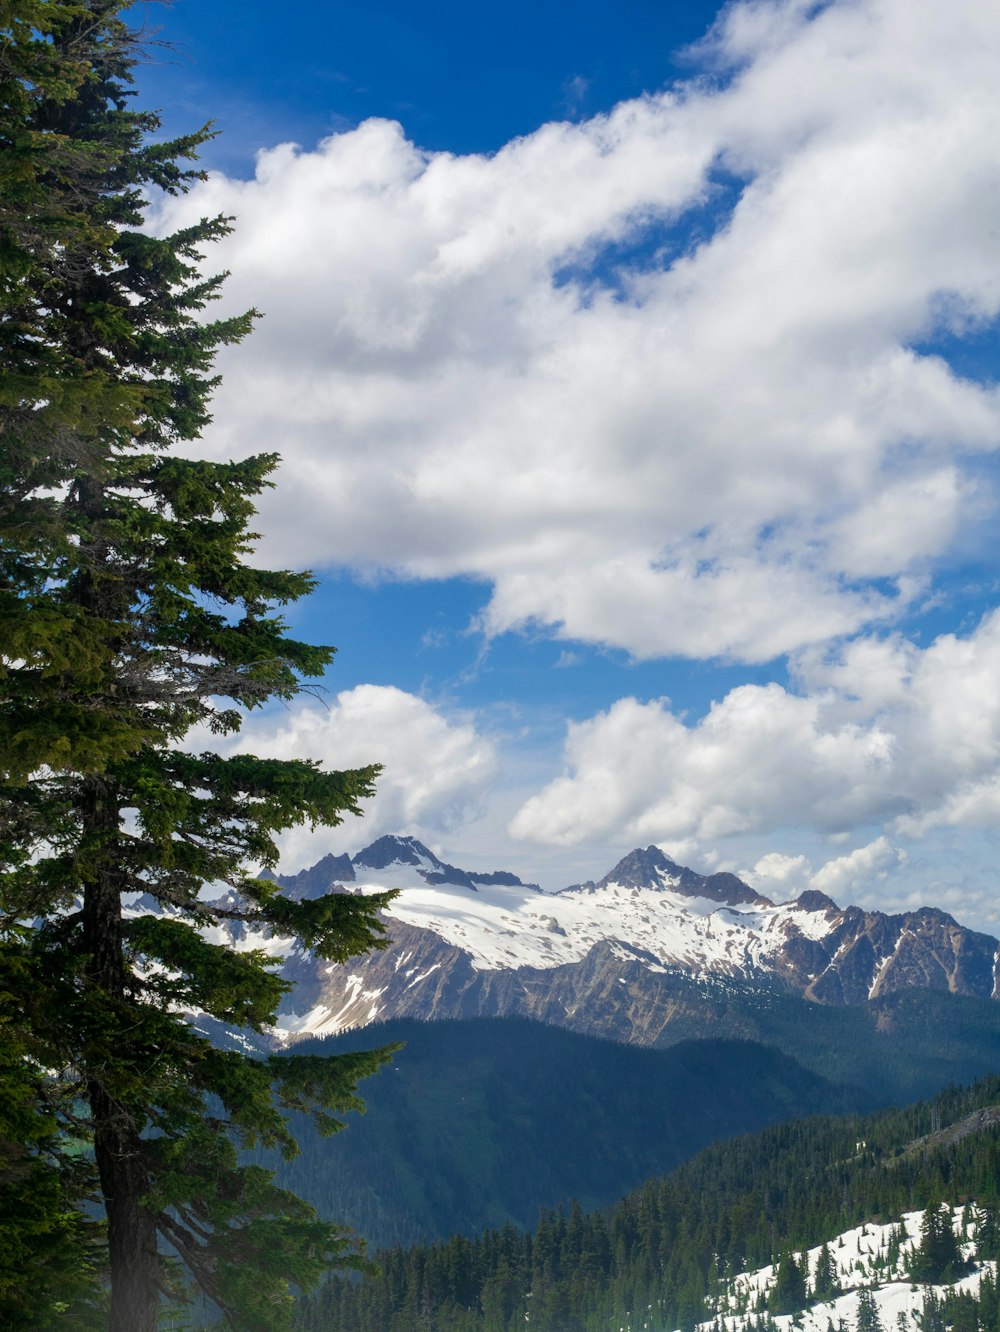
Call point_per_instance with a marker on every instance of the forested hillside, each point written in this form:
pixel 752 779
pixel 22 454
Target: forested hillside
pixel 667 1248
pixel 483 1122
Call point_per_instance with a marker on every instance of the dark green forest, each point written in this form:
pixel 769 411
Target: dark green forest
pixel 469 1128
pixel 484 1122
pixel 665 1248
pixel 901 1047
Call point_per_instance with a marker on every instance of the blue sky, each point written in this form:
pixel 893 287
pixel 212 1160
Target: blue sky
pixel 635 383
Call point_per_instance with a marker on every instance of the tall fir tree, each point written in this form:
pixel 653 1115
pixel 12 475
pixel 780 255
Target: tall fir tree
pixel 788 1294
pixel 826 1284
pixel 129 614
pixel 937 1257
pixel 868 1318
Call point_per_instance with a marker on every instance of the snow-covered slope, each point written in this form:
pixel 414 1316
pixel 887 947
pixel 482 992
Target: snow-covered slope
pixel 520 926
pixel 873 1257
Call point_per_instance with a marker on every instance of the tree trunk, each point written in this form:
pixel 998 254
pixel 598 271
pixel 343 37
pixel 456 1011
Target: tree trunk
pixel 118 1147
pixel 131 1228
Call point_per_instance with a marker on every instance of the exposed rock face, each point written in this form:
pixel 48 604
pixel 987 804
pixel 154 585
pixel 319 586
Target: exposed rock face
pixel 652 869
pixel 630 957
pixel 325 875
pixel 395 851
pixel 420 976
pixel 868 954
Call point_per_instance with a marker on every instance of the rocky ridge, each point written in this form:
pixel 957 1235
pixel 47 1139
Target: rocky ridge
pixel 629 956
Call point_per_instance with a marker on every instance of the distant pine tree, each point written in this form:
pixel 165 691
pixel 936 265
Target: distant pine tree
pixel 894 1247
pixel 988 1235
pixel 931 1317
pixel 788 1294
pixel 938 1257
pixel 868 1319
pixel 826 1284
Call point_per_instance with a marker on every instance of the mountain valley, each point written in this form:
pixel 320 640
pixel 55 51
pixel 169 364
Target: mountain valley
pixel 872 1223
pixel 486 1121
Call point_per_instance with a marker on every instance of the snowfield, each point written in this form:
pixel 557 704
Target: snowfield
pixel 861 1258
pixel 514 926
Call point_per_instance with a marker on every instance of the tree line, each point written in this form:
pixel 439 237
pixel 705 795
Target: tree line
pixel 667 1248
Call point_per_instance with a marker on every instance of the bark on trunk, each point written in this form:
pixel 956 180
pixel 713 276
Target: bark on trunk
pixel 118 1146
pixel 131 1228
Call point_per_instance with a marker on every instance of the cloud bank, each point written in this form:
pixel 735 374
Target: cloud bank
pixel 881 733
pixel 436 768
pixel 655 377
pixel 844 878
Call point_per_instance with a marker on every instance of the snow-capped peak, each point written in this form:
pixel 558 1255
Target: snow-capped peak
pixel 671 915
pixel 651 868
pixel 464 942
pixel 393 850
pixel 395 860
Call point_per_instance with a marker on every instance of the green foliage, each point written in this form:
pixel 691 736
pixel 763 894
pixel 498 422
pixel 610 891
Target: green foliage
pixel 486 1120
pixel 50 1253
pixel 651 1259
pixel 788 1294
pixel 938 1257
pixel 129 615
pixel 868 1319
pixel 900 1047
pixel 825 1283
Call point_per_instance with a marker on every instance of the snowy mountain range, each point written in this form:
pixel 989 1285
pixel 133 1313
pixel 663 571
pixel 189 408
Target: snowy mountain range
pixel 618 957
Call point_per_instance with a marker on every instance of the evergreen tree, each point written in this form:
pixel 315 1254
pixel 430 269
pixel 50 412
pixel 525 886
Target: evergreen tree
pixel 988 1234
pixel 894 1248
pixel 129 615
pixel 868 1318
pixel 826 1286
pixel 788 1294
pixel 49 1251
pixel 931 1317
pixel 937 1257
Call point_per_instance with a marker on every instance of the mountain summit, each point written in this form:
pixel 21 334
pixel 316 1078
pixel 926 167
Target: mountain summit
pixel 652 869
pixel 640 955
pixel 398 857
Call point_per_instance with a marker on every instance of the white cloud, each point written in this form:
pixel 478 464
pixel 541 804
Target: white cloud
pixel 778 876
pixel 845 876
pixel 688 851
pixel 718 461
pixel 954 876
pixel 855 876
pixel 882 734
pixel 436 769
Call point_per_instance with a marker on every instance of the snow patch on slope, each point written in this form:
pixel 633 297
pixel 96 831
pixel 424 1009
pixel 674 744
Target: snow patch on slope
pixel 861 1259
pixel 513 926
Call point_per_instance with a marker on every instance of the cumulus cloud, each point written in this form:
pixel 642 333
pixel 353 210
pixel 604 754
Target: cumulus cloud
pixel 729 448
pixel 856 876
pixel 436 768
pixel 779 876
pixel 846 875
pixel 970 901
pixel 881 734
